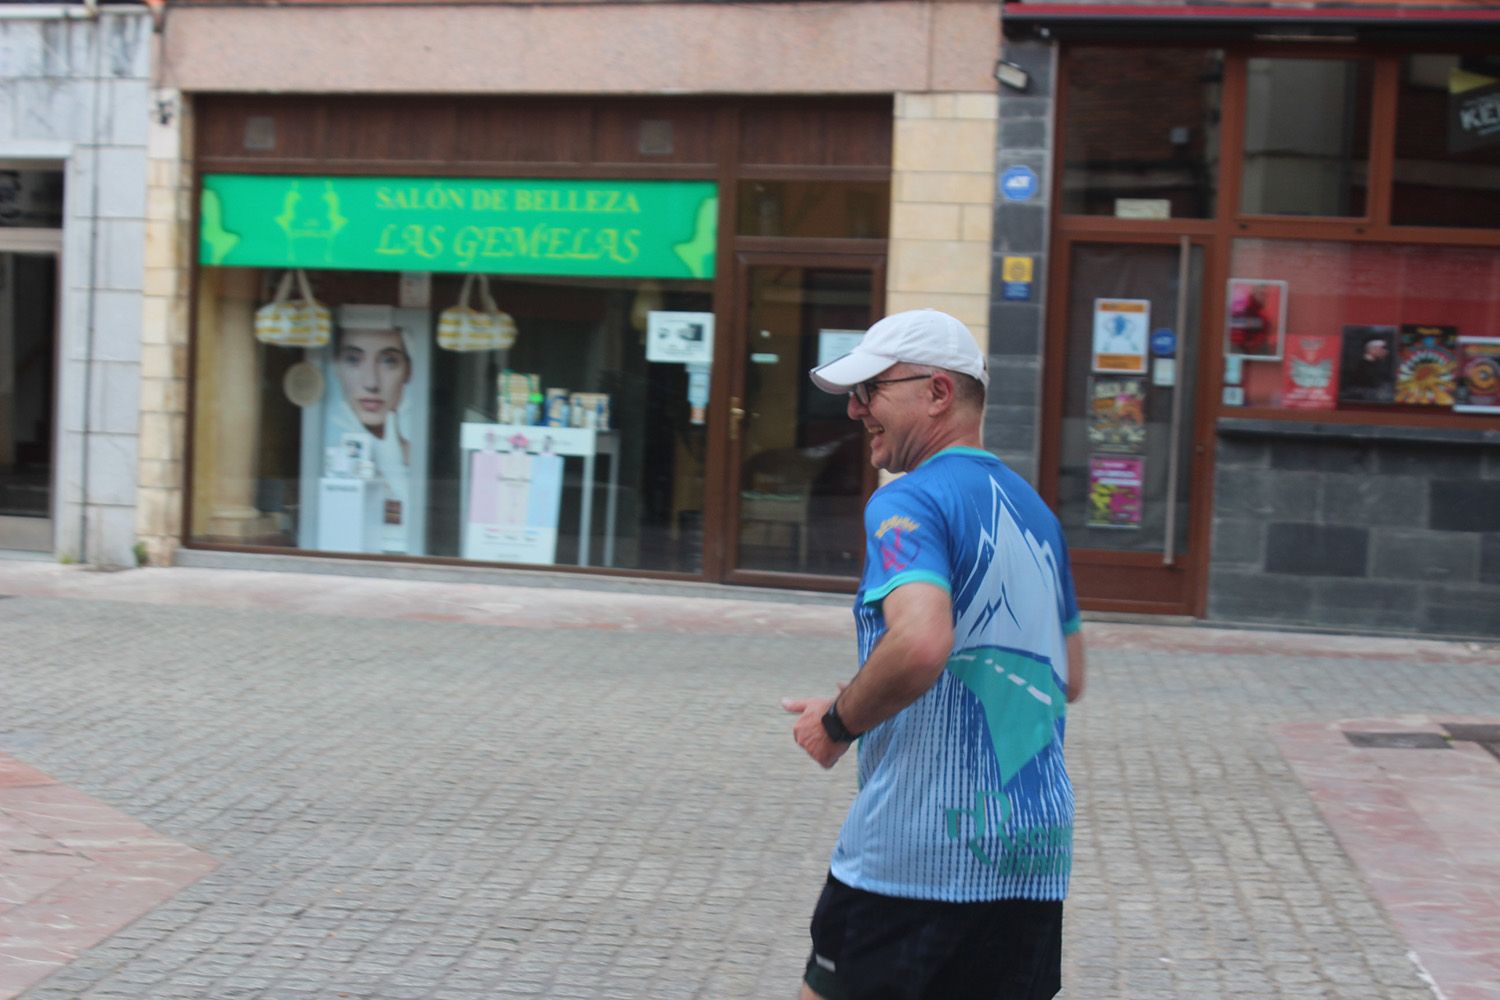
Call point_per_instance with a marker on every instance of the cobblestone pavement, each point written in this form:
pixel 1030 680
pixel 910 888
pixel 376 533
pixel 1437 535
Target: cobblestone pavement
pixel 485 808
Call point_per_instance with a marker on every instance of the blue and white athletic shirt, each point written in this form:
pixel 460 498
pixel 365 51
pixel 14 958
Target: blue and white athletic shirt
pixel 963 794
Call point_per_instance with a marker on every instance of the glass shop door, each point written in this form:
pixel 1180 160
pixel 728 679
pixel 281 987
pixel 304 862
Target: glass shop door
pixel 1121 449
pixel 799 471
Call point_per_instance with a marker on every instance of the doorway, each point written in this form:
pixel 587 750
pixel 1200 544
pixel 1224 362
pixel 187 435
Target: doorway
pixel 28 366
pixel 1120 454
pixel 798 466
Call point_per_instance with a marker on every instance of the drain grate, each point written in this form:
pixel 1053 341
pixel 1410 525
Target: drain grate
pixel 1399 741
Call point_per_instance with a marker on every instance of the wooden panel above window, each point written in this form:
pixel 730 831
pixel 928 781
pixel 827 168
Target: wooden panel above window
pixel 467 135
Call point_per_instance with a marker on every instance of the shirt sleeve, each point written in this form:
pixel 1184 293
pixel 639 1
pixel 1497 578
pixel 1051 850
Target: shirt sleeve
pixel 906 541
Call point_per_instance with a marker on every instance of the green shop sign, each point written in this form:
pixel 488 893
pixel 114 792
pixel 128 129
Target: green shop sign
pixel 638 229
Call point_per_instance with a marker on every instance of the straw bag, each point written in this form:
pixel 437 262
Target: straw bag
pixel 463 328
pixel 286 322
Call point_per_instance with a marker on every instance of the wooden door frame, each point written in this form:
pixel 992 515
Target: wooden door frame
pixel 1193 562
pixel 850 255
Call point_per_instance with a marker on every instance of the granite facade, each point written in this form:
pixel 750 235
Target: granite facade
pixel 1361 528
pixel 75 97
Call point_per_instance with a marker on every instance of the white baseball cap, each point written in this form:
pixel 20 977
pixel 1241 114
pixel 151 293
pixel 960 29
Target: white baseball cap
pixel 917 337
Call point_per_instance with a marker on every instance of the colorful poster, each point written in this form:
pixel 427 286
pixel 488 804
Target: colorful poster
pixel 1367 364
pixel 1117 414
pixel 1309 378
pixel 1257 317
pixel 1115 491
pixel 1121 329
pixel 1478 388
pixel 1427 365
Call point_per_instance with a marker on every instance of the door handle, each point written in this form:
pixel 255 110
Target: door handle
pixel 1174 437
pixel 736 416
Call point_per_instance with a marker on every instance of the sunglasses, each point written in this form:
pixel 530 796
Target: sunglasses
pixel 865 391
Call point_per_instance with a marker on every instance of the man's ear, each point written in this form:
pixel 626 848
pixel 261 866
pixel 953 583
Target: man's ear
pixel 944 392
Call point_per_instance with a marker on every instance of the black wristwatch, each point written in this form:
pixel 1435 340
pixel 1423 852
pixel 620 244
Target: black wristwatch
pixel 834 726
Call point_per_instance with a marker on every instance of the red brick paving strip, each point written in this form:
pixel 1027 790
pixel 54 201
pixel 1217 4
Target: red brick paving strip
pixel 73 871
pixel 1423 827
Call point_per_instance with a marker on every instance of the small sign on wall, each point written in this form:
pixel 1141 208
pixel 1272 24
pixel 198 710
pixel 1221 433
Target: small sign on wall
pixel 680 337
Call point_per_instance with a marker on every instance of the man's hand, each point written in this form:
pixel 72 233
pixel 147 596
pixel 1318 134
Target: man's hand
pixel 809 731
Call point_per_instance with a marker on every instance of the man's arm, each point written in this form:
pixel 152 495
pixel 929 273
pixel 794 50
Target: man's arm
pixel 906 662
pixel 1077 667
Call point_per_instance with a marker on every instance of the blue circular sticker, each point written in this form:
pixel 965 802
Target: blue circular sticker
pixel 1163 342
pixel 1018 183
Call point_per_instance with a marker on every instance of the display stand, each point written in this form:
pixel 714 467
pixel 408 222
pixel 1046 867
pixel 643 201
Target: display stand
pixel 351 514
pixel 532 538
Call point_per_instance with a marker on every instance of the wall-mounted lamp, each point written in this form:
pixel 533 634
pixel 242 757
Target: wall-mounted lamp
pixel 1012 76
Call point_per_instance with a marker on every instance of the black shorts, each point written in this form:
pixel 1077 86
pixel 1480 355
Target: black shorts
pixel 872 947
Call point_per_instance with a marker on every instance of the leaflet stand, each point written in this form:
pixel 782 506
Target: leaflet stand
pixel 530 543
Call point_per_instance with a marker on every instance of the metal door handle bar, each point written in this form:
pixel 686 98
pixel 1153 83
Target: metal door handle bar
pixel 1174 434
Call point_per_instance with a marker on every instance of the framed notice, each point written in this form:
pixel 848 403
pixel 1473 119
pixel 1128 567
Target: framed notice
pixel 1254 326
pixel 1121 330
pixel 680 337
pixel 1115 491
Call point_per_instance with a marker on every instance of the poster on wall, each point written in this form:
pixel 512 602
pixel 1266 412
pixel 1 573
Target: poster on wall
pixel 1257 317
pixel 1309 376
pixel 1115 491
pixel 834 344
pixel 1121 329
pixel 370 425
pixel 514 499
pixel 1367 368
pixel 680 337
pixel 1478 375
pixel 1473 110
pixel 1367 364
pixel 1427 365
pixel 1117 414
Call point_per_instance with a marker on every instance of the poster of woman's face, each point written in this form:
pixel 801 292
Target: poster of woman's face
pixel 1256 321
pixel 373 370
pixel 373 420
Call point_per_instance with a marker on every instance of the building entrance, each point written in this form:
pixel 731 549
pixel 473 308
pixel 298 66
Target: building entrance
pixel 28 359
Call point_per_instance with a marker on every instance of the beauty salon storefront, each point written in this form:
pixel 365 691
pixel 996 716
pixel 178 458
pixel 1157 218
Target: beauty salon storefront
pixel 410 301
pixel 573 334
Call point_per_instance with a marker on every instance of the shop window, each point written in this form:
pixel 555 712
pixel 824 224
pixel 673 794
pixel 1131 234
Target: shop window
pixel 512 371
pixel 1447 170
pixel 812 209
pixel 1307 137
pixel 31 198
pixel 1321 325
pixel 1142 132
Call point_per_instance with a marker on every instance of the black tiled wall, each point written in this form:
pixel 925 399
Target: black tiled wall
pixel 1357 529
pixel 1012 420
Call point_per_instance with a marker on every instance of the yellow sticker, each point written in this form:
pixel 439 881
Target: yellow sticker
pixel 1016 268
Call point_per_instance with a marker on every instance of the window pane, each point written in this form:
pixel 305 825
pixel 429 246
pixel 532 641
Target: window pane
pixel 1142 128
pixel 1307 137
pixel 1365 323
pixel 31 198
pixel 838 209
pixel 386 440
pixel 1113 489
pixel 1448 142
